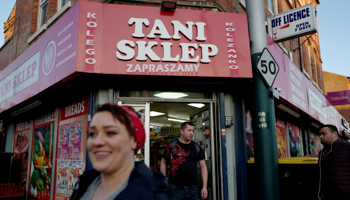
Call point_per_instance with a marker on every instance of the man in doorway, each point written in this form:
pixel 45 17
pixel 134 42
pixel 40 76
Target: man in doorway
pixel 183 154
pixel 334 163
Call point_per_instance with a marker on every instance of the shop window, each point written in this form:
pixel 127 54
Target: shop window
pixel 295 140
pixel 282 138
pixel 42 13
pixel 315 143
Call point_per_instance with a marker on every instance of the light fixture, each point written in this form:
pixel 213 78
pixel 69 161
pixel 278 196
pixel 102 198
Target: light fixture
pixel 315 125
pixel 197 105
pixel 169 5
pixel 176 120
pixel 171 95
pixel 26 108
pixel 155 113
pixel 288 110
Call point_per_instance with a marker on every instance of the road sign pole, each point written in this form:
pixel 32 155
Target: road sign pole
pixel 263 115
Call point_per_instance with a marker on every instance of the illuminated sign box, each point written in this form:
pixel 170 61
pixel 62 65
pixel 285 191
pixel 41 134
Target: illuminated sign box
pixel 293 24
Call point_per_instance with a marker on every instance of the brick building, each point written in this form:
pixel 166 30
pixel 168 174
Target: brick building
pixel 335 83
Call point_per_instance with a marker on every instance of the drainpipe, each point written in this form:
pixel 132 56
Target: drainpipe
pixel 300 47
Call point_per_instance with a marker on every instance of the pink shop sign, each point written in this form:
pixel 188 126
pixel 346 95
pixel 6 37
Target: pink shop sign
pixel 49 60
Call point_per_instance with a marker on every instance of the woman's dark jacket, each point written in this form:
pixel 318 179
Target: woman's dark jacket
pixel 143 184
pixel 335 170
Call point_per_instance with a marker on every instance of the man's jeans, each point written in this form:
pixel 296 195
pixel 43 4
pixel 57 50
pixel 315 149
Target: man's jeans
pixel 184 193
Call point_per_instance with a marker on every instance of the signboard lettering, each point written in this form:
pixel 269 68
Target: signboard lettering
pixel 125 48
pixel 293 23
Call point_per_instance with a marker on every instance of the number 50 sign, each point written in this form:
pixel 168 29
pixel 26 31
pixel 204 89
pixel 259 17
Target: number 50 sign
pixel 268 67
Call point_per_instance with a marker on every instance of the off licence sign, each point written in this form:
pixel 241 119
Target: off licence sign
pixel 268 67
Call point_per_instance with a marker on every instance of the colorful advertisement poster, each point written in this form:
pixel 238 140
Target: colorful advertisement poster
pixel 282 139
pixel 71 147
pixel 316 145
pixel 75 139
pixel 20 156
pixel 249 132
pixel 41 163
pixel 63 141
pixel 62 179
pixel 76 169
pixel 294 140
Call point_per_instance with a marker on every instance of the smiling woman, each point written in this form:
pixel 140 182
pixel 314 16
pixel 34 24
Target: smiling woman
pixel 115 135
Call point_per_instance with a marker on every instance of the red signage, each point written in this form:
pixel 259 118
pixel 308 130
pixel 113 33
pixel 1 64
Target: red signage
pixel 74 109
pixel 120 39
pixel 103 38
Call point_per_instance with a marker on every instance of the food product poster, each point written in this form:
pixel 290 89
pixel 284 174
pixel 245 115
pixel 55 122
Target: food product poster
pixel 75 139
pixel 294 140
pixel 282 139
pixel 76 169
pixel 20 157
pixel 71 147
pixel 41 163
pixel 62 179
pixel 63 141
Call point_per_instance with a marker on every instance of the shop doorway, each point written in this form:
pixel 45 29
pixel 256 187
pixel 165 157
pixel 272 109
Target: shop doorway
pixel 162 122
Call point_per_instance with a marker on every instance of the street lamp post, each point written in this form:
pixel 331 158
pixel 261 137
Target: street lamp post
pixel 263 115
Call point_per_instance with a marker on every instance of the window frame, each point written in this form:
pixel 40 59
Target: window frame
pixel 41 17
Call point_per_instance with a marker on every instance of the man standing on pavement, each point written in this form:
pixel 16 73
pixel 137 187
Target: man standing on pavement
pixel 183 154
pixel 334 163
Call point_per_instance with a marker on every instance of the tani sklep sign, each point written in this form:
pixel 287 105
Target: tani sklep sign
pixel 293 24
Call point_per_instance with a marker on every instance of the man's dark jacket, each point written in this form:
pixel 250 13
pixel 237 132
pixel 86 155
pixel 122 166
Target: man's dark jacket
pixel 335 170
pixel 143 184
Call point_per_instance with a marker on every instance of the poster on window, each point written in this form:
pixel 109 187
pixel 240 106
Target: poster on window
pixel 75 139
pixel 20 154
pixel 76 169
pixel 294 140
pixel 282 139
pixel 62 179
pixel 63 141
pixel 41 162
pixel 249 133
pixel 316 145
pixel 71 146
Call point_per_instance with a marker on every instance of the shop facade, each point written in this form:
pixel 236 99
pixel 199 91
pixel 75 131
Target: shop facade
pixel 169 66
pixel 185 65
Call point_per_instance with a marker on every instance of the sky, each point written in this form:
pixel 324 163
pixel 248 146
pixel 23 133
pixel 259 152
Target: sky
pixel 6 7
pixel 332 18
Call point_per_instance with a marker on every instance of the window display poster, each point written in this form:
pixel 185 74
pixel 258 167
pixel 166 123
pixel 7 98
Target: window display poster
pixel 41 163
pixel 20 156
pixel 75 139
pixel 63 141
pixel 62 179
pixel 71 145
pixel 282 139
pixel 294 140
pixel 249 133
pixel 316 145
pixel 76 169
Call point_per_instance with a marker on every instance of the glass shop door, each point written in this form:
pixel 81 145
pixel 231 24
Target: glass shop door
pixel 143 110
